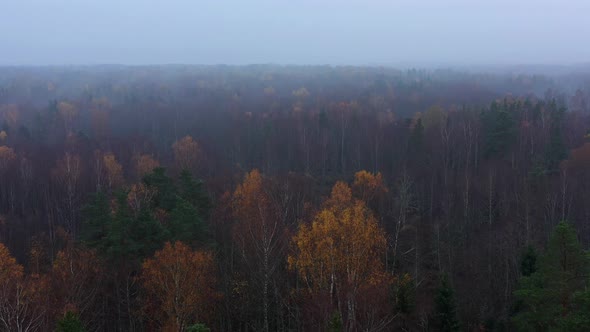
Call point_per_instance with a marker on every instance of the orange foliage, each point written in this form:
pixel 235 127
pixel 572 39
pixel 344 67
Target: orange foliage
pixel 341 251
pixel 344 243
pixel 145 164
pixel 21 298
pixel 114 171
pixel 7 155
pixel 368 186
pixel 10 114
pixel 180 286
pixel 10 270
pixel 186 153
pixel 75 276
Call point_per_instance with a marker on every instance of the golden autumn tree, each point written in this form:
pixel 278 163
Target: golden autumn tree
pixel 20 297
pixel 179 285
pixel 145 164
pixel 7 156
pixel 341 251
pixel 186 153
pixel 259 233
pixel 68 112
pixel 67 175
pixel 368 186
pixel 75 282
pixel 114 171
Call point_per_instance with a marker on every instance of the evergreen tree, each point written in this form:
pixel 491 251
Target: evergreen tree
pixel 335 323
pixel 556 150
pixel 500 130
pixel 551 295
pixel 185 223
pixel 192 191
pixel 96 222
pixel 70 323
pixel 198 328
pixel 165 197
pixel 528 263
pixel 446 308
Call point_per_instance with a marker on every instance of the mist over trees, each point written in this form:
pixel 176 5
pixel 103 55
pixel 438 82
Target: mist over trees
pixel 293 198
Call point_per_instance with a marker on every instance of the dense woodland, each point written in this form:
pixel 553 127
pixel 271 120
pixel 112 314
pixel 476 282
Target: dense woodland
pixel 269 198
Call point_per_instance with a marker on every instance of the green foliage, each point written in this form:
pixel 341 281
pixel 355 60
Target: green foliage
pixel 500 129
pixel 166 190
pixel 445 316
pixel 70 323
pixel 528 262
pixel 550 296
pixel 97 220
pixel 335 323
pixel 185 223
pixel 122 235
pixel 193 192
pixel 556 150
pixel 405 295
pixel 199 327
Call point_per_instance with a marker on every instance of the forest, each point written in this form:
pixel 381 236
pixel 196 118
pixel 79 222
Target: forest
pixel 294 198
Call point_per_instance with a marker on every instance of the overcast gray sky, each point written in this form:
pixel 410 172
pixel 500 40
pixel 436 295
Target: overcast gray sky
pixel 335 32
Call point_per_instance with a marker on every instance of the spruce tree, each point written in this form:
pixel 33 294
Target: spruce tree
pixel 445 318
pixel 552 296
pixel 70 323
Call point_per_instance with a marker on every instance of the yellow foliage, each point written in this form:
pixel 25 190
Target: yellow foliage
pixel 368 185
pixel 186 153
pixel 179 285
pixel 342 247
pixel 114 170
pixel 145 164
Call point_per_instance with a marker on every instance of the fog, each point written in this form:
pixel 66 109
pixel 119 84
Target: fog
pixel 344 32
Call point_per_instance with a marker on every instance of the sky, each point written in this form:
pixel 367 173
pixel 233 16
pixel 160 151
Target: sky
pixel 304 32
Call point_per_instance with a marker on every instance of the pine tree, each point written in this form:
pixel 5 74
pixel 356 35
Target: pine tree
pixel 192 191
pixel 70 323
pixel 551 296
pixel 528 263
pixel 166 190
pixel 335 323
pixel 185 223
pixel 97 219
pixel 446 308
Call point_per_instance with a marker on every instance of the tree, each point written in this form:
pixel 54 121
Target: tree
pixel 166 190
pixel 76 278
pixel 549 295
pixel 341 250
pixel 120 235
pixel 20 297
pixel 179 286
pixel 145 164
pixel 528 263
pixel 335 323
pixel 445 316
pixel 368 186
pixel 259 233
pixel 500 129
pixel 114 171
pixel 555 151
pixel 193 192
pixel 70 323
pixel 186 153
